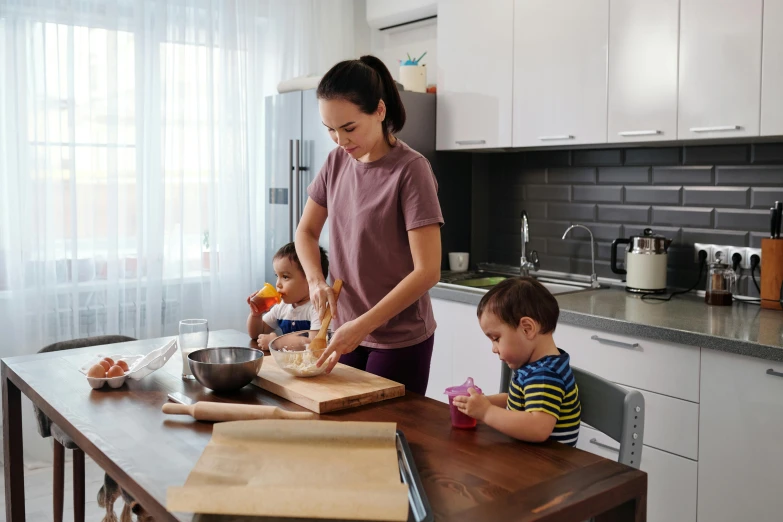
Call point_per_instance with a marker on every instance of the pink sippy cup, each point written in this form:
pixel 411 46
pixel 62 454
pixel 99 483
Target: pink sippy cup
pixel 459 419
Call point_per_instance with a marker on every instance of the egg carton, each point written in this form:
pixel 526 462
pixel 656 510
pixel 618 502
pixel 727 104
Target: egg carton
pixel 139 366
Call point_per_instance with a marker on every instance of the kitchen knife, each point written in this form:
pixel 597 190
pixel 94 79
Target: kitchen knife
pixel 773 222
pixel 223 411
pixel 779 207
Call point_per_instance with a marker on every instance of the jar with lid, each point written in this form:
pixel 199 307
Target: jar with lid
pixel 721 282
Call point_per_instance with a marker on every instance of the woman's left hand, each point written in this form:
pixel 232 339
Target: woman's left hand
pixel 345 340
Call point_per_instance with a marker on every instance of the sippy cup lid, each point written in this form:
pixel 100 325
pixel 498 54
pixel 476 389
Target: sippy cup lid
pixel 455 391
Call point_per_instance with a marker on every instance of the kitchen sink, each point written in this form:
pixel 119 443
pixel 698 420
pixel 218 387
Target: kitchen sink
pixel 484 280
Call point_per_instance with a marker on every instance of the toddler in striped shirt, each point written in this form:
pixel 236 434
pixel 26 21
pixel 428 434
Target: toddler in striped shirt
pixel 519 316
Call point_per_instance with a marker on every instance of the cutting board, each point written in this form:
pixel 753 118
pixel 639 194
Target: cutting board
pixel 345 387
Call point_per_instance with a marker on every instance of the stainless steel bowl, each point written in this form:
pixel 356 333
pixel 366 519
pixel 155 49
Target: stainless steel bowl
pixel 225 369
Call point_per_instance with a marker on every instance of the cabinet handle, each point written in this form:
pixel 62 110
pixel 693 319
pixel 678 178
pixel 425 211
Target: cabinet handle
pixel 773 372
pixel 555 138
pixel 605 446
pixel 630 346
pixel 639 133
pixel 719 128
pixel 470 142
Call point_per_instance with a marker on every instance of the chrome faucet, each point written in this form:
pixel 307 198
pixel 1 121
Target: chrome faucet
pixel 525 265
pixel 593 276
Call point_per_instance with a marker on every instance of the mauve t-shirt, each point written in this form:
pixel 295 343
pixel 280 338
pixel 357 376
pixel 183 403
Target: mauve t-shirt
pixel 371 207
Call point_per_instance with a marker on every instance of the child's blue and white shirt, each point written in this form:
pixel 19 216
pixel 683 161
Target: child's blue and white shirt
pixel 290 318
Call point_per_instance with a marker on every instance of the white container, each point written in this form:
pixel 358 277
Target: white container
pixel 458 261
pixel 414 77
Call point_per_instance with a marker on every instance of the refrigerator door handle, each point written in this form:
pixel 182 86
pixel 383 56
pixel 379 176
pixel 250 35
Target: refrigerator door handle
pixel 290 190
pixel 298 185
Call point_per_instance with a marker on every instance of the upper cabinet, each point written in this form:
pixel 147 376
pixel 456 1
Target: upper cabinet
pixel 643 39
pixel 475 42
pixel 560 70
pixel 720 68
pixel 772 70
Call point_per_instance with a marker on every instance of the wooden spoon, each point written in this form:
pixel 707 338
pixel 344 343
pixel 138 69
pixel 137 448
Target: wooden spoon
pixel 318 344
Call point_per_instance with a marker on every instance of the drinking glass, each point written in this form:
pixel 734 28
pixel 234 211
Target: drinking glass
pixel 193 335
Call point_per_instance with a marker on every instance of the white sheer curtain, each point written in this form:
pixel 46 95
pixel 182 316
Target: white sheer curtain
pixel 131 157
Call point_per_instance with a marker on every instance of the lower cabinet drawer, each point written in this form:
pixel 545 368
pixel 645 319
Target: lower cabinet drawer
pixel 671 480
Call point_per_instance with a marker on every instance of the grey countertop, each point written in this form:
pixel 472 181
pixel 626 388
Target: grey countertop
pixel 743 328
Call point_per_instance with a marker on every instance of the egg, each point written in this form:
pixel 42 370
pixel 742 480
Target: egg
pixel 115 371
pixel 123 365
pixel 96 371
pixel 105 365
pixel 109 360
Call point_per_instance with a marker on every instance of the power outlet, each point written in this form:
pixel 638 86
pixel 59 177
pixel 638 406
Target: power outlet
pixel 737 250
pixel 698 247
pixel 725 254
pixel 750 252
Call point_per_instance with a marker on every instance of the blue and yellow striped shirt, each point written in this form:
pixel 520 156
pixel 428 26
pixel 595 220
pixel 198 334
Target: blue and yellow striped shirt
pixel 548 385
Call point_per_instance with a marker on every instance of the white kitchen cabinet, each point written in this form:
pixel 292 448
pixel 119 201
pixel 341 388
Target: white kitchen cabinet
pixel 461 351
pixel 772 70
pixel 740 455
pixel 720 68
pixel 671 480
pixel 643 44
pixel 475 42
pixel 560 70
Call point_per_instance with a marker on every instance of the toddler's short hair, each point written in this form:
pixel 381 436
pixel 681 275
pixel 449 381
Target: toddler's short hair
pixel 289 252
pixel 519 297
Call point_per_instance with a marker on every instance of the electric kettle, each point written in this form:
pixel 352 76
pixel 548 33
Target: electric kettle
pixel 645 262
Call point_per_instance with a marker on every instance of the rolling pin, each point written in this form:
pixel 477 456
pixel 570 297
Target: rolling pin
pixel 221 411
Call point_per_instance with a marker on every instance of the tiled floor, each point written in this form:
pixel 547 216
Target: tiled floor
pixel 38 494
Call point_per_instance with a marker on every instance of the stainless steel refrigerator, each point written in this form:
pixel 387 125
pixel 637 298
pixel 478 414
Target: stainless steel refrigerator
pixel 297 144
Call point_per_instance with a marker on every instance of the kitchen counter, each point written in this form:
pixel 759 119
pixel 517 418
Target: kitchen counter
pixel 743 329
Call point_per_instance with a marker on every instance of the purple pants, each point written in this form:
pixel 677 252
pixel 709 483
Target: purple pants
pixel 409 366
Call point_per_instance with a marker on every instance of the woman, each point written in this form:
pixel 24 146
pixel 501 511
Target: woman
pixel 381 199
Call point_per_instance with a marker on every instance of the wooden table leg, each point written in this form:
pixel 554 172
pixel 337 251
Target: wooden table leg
pixel 12 450
pixel 632 511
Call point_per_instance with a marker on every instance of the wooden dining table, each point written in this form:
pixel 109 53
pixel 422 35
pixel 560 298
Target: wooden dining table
pixel 477 474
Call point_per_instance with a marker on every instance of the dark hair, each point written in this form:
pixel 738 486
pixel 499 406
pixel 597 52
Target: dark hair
pixel 365 82
pixel 289 252
pixel 519 297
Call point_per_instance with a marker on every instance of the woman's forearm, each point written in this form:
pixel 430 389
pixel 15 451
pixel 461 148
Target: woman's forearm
pixel 309 255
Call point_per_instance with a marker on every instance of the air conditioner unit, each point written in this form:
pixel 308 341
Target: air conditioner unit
pixel 384 14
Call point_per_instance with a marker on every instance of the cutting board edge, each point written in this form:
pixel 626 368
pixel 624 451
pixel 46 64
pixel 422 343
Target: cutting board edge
pixel 362 400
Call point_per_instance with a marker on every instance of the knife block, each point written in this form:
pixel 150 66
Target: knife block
pixel 771 273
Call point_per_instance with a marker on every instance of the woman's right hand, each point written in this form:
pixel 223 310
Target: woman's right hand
pixel 322 294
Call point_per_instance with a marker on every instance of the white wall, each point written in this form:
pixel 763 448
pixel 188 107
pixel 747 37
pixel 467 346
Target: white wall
pixel 393 45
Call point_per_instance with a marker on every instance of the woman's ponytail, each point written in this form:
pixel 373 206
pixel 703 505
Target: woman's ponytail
pixel 364 83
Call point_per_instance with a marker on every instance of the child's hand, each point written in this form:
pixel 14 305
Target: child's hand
pixel 475 406
pixel 264 340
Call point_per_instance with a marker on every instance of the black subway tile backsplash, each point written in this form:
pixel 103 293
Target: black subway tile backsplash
pixel 712 154
pixel 755 220
pixel 749 176
pixel 687 216
pixel 717 194
pixel 597 158
pixel 573 175
pixel 653 195
pixel 623 175
pixel 682 175
pixel 571 211
pixel 653 156
pixel 598 193
pixel 732 197
pixel 764 198
pixel 624 214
